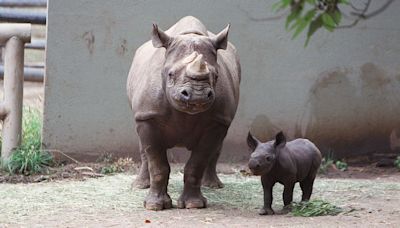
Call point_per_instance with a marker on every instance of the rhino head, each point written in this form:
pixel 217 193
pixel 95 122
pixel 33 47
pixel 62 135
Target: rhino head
pixel 190 70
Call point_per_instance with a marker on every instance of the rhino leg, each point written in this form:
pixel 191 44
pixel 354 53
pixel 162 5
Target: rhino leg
pixel 158 167
pixel 210 178
pixel 209 145
pixel 307 187
pixel 142 181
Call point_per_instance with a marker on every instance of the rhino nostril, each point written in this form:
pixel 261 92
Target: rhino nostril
pixel 255 165
pixel 185 93
pixel 210 94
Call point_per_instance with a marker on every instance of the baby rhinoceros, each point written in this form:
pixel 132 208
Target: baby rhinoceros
pixel 286 163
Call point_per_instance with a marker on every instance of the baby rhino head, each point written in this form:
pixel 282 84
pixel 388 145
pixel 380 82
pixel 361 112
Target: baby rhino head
pixel 264 155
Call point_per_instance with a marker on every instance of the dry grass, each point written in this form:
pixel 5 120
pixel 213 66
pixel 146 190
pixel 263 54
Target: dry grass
pixel 113 193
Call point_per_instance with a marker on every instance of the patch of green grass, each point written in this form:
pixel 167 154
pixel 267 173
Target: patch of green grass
pixel 325 164
pixel 28 158
pixel 341 165
pixel 314 208
pixel 118 166
pixel 397 162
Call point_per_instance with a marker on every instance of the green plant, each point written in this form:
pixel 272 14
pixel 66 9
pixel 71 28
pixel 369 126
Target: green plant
pixel 327 14
pixel 28 158
pixel 341 165
pixel 314 208
pixel 314 14
pixel 117 167
pixel 397 162
pixel 325 164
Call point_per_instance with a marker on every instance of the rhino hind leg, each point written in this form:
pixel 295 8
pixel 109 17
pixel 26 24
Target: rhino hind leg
pixel 142 181
pixel 210 177
pixel 307 186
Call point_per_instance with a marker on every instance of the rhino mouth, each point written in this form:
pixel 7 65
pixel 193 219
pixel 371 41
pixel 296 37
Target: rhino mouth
pixel 192 108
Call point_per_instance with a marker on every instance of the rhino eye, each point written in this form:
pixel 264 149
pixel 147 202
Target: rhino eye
pixel 269 158
pixel 170 74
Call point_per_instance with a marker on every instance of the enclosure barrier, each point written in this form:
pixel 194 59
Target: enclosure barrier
pixel 31 74
pixel 13 36
pixel 23 3
pixel 22 16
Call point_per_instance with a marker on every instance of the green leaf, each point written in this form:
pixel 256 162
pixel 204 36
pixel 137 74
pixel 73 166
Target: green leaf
pixel 314 26
pixel 291 17
pixel 328 20
pixel 336 16
pixel 300 27
pixel 302 23
pixel 280 5
pixel 310 15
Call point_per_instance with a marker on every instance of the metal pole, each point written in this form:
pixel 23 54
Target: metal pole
pixel 23 3
pixel 13 36
pixel 36 44
pixel 31 74
pixel 13 93
pixel 22 16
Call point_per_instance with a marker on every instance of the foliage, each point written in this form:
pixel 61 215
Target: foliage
pixel 314 208
pixel 325 164
pixel 397 162
pixel 117 167
pixel 341 165
pixel 28 158
pixel 314 14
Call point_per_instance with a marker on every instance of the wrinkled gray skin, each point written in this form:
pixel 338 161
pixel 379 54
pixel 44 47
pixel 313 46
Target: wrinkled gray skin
pixel 183 88
pixel 286 163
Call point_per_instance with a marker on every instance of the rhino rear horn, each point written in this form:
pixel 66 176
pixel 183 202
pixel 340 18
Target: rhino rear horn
pixel 159 38
pixel 220 41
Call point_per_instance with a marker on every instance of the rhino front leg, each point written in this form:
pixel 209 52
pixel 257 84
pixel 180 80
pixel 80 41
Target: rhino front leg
pixel 142 181
pixel 209 144
pixel 158 167
pixel 210 178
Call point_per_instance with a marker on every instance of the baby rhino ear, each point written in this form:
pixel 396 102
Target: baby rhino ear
pixel 280 140
pixel 252 141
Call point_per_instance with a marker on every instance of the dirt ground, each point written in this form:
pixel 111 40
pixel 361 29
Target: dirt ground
pixel 110 202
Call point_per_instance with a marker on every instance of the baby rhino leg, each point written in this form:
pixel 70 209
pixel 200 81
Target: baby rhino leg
pixel 307 186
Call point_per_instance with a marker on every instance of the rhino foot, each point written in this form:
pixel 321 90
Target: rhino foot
pixel 192 202
pixel 266 211
pixel 156 202
pixel 212 181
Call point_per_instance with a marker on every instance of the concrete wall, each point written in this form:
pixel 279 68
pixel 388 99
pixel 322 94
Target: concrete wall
pixel 342 91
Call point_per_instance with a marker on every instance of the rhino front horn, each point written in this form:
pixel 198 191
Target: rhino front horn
pixel 198 65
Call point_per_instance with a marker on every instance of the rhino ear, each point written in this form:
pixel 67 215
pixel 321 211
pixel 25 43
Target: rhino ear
pixel 159 38
pixel 280 140
pixel 220 41
pixel 252 141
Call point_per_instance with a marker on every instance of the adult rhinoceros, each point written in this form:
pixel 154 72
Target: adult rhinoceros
pixel 183 88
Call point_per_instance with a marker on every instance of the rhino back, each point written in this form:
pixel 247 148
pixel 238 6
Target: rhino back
pixel 302 157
